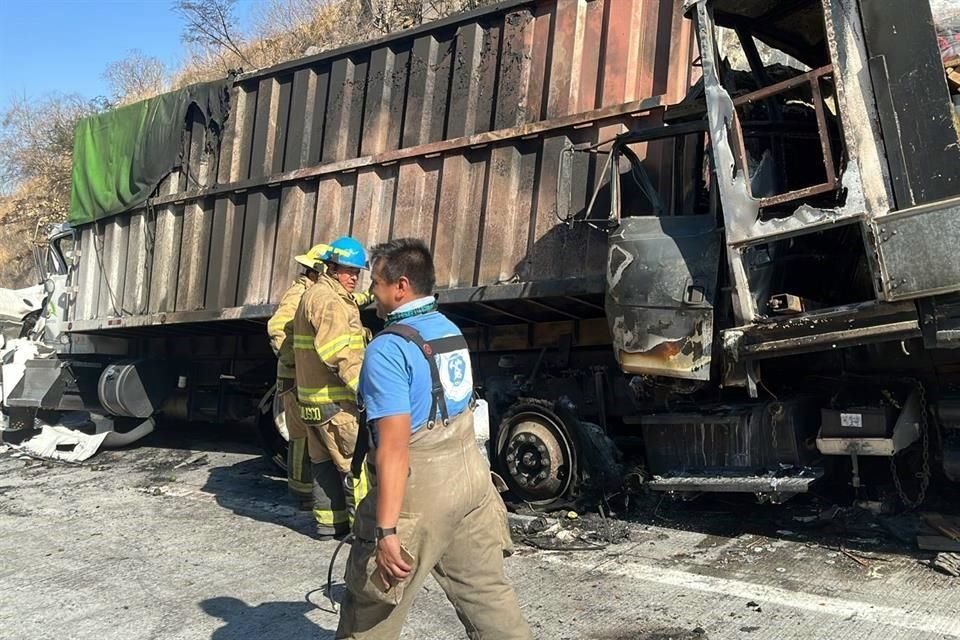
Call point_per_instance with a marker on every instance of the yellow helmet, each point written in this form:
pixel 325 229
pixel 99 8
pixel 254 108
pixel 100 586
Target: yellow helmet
pixel 316 254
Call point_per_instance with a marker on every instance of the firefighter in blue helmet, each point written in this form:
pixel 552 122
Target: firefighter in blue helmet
pixel 328 344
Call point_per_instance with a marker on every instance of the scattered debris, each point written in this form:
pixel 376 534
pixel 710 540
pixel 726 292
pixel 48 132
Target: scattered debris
pixel 938 543
pixel 875 507
pixel 589 532
pixel 941 533
pixel 952 68
pixel 66 442
pixel 948 563
pixel 949 527
pixel 196 459
pixel 902 528
pixel 523 521
pixel 860 561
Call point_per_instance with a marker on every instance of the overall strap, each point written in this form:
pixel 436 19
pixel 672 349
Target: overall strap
pixel 430 348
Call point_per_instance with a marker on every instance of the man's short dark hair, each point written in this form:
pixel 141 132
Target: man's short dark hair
pixel 408 257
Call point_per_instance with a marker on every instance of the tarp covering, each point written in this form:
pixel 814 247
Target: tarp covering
pixel 119 157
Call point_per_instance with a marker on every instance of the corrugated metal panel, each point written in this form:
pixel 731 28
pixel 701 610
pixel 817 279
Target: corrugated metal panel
pixel 451 132
pixel 229 212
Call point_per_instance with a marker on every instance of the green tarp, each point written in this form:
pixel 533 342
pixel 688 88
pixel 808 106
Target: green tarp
pixel 119 157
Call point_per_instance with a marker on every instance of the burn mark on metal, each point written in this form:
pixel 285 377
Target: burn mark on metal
pixel 449 132
pixel 661 288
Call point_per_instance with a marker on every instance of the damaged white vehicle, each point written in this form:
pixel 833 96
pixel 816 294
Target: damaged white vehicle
pixel 29 331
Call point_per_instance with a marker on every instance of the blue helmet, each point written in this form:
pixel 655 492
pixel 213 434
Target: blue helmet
pixel 346 251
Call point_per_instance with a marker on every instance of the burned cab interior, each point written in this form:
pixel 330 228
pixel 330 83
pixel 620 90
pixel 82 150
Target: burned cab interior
pixel 757 165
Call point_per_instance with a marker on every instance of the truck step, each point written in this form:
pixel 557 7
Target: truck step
pixel 770 486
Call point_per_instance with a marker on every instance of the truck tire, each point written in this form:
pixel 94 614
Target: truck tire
pixel 536 454
pixel 272 428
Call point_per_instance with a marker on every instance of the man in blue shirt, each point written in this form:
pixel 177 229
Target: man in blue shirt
pixel 431 507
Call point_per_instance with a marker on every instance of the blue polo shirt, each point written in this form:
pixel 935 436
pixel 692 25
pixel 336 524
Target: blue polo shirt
pixel 395 378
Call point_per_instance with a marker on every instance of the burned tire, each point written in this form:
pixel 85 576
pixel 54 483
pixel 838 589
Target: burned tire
pixel 536 454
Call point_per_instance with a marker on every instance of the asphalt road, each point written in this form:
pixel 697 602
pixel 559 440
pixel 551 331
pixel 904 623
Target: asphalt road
pixel 191 535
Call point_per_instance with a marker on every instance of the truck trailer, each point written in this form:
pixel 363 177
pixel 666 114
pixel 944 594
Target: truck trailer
pixel 702 246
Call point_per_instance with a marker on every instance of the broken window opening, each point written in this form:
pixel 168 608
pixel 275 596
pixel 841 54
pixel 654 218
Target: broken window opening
pixel 806 273
pixel 789 143
pixel 666 176
pixel 786 132
pixel 734 54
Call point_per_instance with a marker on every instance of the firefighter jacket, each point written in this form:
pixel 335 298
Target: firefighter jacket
pixel 280 327
pixel 328 344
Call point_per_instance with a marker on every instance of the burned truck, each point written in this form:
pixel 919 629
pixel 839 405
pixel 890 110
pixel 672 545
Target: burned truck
pixel 810 261
pixel 706 246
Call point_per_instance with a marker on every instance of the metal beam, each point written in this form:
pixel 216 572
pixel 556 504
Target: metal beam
pixel 525 290
pixel 530 130
pixel 584 303
pixel 561 312
pixel 490 307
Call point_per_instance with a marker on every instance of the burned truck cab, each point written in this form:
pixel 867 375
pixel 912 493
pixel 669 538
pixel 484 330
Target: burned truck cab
pixel 798 279
pixel 850 203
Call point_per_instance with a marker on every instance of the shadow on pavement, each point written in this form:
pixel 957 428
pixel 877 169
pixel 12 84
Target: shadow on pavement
pixel 267 621
pixel 252 488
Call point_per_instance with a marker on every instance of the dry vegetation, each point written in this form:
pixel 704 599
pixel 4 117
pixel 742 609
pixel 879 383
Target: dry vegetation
pixel 36 136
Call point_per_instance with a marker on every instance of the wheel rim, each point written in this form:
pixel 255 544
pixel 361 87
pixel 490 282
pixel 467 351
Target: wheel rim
pixel 537 456
pixel 280 418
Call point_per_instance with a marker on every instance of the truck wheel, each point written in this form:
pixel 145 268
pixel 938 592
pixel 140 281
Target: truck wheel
pixel 273 432
pixel 536 454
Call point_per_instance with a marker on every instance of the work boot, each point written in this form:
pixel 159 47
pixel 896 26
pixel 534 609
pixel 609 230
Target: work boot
pixel 322 533
pixel 329 502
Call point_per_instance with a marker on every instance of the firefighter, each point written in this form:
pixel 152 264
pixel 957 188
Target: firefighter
pixel 432 508
pixel 280 330
pixel 328 341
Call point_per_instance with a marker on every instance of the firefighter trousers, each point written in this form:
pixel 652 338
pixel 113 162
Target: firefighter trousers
pixel 299 476
pixel 336 492
pixel 454 524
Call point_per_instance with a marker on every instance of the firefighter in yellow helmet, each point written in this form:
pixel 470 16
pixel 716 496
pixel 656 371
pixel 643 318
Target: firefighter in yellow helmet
pixel 328 341
pixel 280 330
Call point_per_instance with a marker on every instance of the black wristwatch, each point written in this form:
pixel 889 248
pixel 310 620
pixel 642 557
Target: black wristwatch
pixel 382 532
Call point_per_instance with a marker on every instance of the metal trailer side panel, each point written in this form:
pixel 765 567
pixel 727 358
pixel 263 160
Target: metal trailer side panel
pixel 229 212
pixel 450 132
pixel 197 219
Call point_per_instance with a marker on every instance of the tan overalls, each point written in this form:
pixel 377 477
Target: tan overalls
pixel 454 523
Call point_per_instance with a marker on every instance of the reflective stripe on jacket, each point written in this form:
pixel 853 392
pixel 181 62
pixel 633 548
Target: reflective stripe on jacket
pixel 280 326
pixel 328 344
